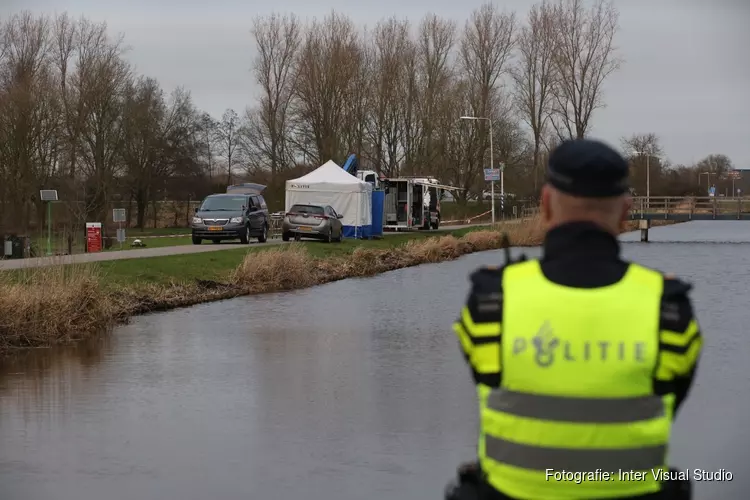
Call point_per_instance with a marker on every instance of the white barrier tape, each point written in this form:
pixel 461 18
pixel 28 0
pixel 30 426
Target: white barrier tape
pixel 467 221
pixel 143 237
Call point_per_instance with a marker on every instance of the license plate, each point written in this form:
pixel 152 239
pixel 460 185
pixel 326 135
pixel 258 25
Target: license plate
pixel 303 228
pixel 214 228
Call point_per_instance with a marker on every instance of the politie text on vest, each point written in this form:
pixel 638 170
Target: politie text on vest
pixel 549 349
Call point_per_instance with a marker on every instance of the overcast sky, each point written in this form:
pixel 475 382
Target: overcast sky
pixel 686 75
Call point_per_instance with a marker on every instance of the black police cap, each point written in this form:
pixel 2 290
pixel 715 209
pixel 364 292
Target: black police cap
pixel 588 169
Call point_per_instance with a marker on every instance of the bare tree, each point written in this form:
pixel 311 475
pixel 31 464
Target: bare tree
pixel 103 82
pixel 73 118
pixel 716 164
pixel 645 154
pixel 486 46
pixel 585 56
pixel 534 76
pixel 436 40
pixel 73 114
pixel 327 68
pixel 208 138
pixel 229 139
pixel 28 114
pixel 390 51
pixel 143 115
pixel 267 129
pixel 639 144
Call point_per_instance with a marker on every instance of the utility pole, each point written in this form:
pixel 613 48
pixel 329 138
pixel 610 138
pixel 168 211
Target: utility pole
pixel 492 167
pixel 648 155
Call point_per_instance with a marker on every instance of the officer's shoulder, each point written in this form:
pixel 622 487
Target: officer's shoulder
pixel 676 311
pixel 487 280
pixel 675 288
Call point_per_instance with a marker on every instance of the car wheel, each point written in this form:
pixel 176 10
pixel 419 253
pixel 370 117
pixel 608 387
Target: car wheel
pixel 436 224
pixel 197 241
pixel 245 238
pixel 263 235
pixel 285 237
pixel 297 237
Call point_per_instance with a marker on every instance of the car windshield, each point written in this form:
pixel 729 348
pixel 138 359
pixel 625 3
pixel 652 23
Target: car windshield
pixel 307 209
pixel 223 204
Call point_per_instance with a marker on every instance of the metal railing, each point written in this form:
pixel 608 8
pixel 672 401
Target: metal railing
pixel 679 206
pixel 655 206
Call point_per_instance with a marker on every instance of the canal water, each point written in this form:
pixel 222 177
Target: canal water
pixel 350 391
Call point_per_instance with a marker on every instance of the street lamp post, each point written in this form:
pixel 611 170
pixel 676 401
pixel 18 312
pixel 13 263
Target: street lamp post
pixel 648 155
pixel 492 167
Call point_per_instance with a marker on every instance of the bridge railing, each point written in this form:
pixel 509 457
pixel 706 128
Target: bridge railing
pixel 655 206
pixel 705 205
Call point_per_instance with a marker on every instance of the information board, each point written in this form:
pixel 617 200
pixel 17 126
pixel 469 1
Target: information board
pixel 93 236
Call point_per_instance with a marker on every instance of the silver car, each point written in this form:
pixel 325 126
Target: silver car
pixel 319 222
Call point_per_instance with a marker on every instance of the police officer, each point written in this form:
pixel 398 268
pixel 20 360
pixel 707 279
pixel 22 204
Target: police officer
pixel 580 358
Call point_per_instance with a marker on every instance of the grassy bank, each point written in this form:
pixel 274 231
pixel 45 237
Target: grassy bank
pixel 45 306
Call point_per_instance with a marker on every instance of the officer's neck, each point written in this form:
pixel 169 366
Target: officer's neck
pixel 603 223
pixel 580 238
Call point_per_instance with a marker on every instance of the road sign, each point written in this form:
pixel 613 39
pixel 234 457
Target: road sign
pixel 734 174
pixel 48 194
pixel 501 167
pixel 118 215
pixel 491 174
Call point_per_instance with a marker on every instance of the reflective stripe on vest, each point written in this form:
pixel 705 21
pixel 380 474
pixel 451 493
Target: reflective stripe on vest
pixel 575 410
pixel 577 387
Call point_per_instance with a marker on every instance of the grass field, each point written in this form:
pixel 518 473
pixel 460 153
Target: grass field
pixel 219 265
pixel 152 238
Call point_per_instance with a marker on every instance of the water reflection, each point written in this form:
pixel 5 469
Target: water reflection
pixel 352 390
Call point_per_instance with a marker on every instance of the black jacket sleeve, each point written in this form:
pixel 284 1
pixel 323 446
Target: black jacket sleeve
pixel 680 339
pixel 479 325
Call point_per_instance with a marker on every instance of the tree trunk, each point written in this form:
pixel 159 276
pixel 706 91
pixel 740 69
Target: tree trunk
pixel 141 204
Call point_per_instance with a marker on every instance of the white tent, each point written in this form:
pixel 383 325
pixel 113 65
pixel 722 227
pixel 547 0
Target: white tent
pixel 330 185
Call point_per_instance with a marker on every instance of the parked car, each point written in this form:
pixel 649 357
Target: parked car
pixel 231 216
pixel 320 222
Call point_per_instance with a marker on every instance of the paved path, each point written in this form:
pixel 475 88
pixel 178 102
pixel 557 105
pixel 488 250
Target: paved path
pixel 150 252
pixel 121 255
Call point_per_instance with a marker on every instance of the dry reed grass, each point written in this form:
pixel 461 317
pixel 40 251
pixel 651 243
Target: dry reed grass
pixel 287 268
pixel 51 305
pixel 292 267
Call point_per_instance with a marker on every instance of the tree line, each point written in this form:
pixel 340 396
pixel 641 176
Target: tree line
pixel 76 117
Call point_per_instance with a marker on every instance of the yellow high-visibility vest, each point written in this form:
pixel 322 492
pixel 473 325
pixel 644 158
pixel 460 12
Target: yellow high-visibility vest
pixel 575 416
